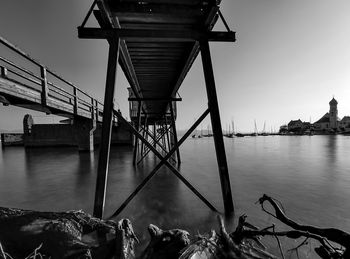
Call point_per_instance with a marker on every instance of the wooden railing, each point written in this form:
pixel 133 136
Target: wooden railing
pixel 47 83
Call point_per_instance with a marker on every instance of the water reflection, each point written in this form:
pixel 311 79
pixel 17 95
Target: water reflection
pixel 332 149
pixel 299 171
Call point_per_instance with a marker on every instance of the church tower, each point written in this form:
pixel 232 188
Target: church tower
pixel 333 114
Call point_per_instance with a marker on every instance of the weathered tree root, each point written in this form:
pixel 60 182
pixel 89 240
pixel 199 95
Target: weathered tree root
pixel 323 235
pixel 75 234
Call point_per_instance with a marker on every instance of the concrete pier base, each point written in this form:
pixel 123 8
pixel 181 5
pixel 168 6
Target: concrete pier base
pixel 84 133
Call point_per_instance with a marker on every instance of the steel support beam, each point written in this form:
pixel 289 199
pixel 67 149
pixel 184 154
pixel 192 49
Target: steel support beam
pixel 164 160
pixel 155 99
pixel 143 135
pixel 155 135
pixel 138 124
pixel 156 35
pixel 155 141
pixel 216 124
pixel 102 171
pixel 175 133
pixel 167 133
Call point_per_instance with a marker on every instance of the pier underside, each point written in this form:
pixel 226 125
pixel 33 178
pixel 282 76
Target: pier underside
pixel 156 43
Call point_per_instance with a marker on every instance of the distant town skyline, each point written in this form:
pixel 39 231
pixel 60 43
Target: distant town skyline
pixel 289 60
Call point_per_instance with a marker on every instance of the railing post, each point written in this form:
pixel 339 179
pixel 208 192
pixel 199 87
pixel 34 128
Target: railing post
pixel 3 72
pixel 96 110
pixel 44 86
pixel 75 93
pixel 217 130
pixel 92 109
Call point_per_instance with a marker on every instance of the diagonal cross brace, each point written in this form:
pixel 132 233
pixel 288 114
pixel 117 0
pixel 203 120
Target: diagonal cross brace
pixel 156 141
pixel 158 137
pixel 162 162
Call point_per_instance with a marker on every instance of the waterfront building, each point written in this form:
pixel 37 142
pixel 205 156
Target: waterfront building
pixel 283 129
pixel 295 125
pixel 323 123
pixel 333 114
pixel 344 123
pixel 329 121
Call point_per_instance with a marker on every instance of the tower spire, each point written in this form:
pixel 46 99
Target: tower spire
pixel 333 114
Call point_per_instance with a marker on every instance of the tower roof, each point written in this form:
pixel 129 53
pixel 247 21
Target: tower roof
pixel 333 102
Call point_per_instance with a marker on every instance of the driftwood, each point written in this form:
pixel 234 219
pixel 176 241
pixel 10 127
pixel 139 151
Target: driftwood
pixel 322 235
pixel 245 241
pixel 75 234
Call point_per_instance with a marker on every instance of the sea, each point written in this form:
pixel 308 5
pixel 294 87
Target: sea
pixel 308 175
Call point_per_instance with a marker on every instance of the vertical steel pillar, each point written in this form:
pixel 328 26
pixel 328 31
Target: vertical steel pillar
pixel 143 135
pixel 154 135
pixel 174 131
pixel 167 133
pixel 103 160
pixel 163 137
pixel 138 125
pixel 217 130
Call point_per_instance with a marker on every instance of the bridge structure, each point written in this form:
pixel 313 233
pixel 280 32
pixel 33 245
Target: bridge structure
pixel 27 83
pixel 156 43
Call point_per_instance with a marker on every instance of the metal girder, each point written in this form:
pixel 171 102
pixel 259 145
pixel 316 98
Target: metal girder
pixel 156 141
pixel 155 99
pixel 216 124
pixel 164 160
pixel 102 170
pixel 175 133
pixel 155 35
pixel 138 125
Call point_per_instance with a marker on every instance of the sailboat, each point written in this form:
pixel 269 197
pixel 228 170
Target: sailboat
pixel 239 135
pixel 233 127
pixel 231 134
pixel 195 135
pixel 264 130
pixel 255 133
pixel 201 135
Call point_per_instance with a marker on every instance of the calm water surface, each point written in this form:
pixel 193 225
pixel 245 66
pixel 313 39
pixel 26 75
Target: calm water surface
pixel 309 175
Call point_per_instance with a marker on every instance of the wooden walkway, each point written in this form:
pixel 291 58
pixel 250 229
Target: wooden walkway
pixel 27 83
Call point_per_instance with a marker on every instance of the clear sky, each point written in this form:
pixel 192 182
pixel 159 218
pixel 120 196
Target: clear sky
pixel 290 59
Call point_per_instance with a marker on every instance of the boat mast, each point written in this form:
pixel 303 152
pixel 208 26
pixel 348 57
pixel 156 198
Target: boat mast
pixel 233 127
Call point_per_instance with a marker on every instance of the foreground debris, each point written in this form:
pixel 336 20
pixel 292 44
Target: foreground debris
pixel 75 234
pixel 72 234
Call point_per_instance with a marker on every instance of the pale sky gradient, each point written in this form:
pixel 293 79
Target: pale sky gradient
pixel 289 60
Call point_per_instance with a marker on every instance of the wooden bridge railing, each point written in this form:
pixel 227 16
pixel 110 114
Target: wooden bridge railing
pixel 48 84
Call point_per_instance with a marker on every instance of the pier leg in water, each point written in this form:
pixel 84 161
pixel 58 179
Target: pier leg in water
pixel 216 124
pixel 138 126
pixel 155 135
pixel 103 160
pixel 174 131
pixel 163 160
pixel 84 133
